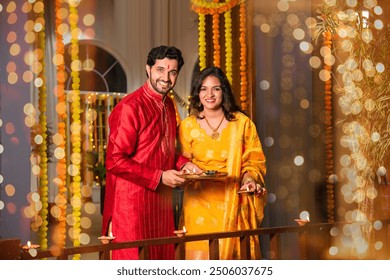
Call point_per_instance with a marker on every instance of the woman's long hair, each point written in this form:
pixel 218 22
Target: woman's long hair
pixel 229 105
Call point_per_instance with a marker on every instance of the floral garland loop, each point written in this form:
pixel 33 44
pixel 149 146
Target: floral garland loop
pixel 210 8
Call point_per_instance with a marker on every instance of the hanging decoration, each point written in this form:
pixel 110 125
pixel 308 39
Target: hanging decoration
pixel 41 133
pixel 362 46
pixel 202 41
pixel 228 46
pixel 243 58
pixel 74 168
pixel 329 134
pixel 216 45
pixel 214 9
pixel 61 199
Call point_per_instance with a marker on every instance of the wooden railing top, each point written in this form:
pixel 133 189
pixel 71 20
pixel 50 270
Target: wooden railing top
pixel 11 251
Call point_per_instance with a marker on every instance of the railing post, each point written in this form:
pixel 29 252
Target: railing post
pixel 143 253
pixel 302 245
pixel 214 249
pixel 105 255
pixel 274 246
pixel 180 251
pixel 245 251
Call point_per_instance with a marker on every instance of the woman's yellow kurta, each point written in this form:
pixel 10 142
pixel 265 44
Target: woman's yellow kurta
pixel 211 206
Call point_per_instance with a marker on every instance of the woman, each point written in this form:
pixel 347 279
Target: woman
pixel 218 136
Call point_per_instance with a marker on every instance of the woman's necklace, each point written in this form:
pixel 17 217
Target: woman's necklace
pixel 215 133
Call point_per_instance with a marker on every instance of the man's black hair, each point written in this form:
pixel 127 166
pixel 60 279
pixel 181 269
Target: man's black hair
pixel 162 52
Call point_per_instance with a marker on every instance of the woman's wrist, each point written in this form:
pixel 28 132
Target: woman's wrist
pixel 247 179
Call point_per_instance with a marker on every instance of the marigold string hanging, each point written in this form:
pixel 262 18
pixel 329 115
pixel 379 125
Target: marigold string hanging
pixel 75 128
pixel 40 83
pixel 214 9
pixel 61 200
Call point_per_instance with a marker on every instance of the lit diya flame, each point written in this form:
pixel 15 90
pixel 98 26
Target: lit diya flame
pixel 106 239
pixel 302 222
pixel 181 232
pixel 30 246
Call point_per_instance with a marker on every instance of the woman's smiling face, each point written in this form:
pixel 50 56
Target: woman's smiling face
pixel 210 93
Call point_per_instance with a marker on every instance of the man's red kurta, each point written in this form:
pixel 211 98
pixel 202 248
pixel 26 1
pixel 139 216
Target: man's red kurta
pixel 141 146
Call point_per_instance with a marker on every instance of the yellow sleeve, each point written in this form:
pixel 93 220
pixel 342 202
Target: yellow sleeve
pixel 185 139
pixel 253 158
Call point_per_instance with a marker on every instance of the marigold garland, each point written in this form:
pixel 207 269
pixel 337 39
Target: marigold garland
pixel 210 8
pixel 214 8
pixel 61 100
pixel 217 47
pixel 243 58
pixel 228 46
pixel 42 96
pixel 75 129
pixel 202 41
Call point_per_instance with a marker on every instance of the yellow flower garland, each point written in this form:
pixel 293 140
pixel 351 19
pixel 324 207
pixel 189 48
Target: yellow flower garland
pixel 214 8
pixel 42 96
pixel 75 129
pixel 210 8
pixel 202 41
pixel 228 46
pixel 61 112
pixel 243 57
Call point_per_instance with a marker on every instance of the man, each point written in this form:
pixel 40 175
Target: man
pixel 141 159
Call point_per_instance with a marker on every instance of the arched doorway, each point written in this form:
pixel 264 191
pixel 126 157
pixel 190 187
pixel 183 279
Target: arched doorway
pixel 103 83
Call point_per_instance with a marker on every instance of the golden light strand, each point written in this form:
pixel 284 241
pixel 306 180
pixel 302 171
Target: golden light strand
pixel 75 128
pixel 329 134
pixel 61 200
pixel 243 58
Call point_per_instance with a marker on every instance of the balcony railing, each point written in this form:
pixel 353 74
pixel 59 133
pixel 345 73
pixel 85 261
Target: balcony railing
pixel 308 237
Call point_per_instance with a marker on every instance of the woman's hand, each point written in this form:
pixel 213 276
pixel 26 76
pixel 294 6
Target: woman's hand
pixel 191 168
pixel 249 184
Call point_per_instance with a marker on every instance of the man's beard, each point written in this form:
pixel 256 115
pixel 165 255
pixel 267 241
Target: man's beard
pixel 158 87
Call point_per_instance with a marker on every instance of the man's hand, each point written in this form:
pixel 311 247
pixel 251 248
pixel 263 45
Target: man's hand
pixel 172 178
